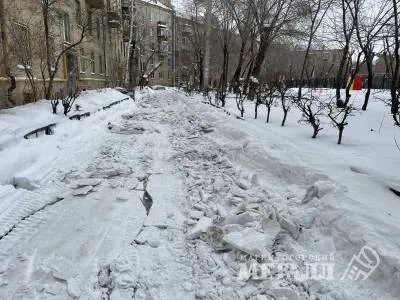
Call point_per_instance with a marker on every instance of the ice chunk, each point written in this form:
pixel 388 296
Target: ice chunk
pixel 196 214
pixel 251 241
pixel 283 294
pixel 200 228
pixel 82 191
pixel 239 219
pixel 87 182
pixel 289 226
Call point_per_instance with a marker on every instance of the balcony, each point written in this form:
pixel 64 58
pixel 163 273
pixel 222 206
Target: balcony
pixel 113 19
pixel 162 30
pixel 96 4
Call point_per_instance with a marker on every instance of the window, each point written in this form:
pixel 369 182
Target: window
pixel 78 12
pixel 152 75
pixel 151 31
pixel 169 75
pixel 92 63
pixel 151 60
pixel 66 28
pixel 82 60
pixel 160 75
pixel 101 64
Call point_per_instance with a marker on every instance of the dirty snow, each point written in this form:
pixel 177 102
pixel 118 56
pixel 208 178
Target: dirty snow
pixel 169 198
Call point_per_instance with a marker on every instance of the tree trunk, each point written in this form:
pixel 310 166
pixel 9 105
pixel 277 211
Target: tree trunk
pixel 315 133
pixel 340 135
pixel 284 117
pixel 339 75
pixel 256 70
pixel 256 111
pixel 353 75
pixel 303 68
pixel 369 84
pixel 236 75
pixel 46 26
pixel 394 108
pixel 268 113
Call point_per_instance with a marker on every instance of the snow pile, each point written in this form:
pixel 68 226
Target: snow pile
pixel 303 196
pixel 17 121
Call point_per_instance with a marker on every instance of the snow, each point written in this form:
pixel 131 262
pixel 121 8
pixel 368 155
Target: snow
pixel 144 201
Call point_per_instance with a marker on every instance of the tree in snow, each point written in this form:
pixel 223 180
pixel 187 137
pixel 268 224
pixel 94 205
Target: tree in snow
pixel 339 116
pixel 269 98
pixel 259 99
pixel 56 99
pixel 240 98
pixel 271 18
pixel 69 100
pixel 244 20
pixel 369 20
pixel 285 100
pixel 23 49
pixel 312 109
pixel 226 28
pixel 53 56
pixel 315 12
pixel 343 32
pixel 391 41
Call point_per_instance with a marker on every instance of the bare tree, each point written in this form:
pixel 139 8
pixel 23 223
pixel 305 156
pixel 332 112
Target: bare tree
pixel 339 116
pixel 315 11
pixel 226 30
pixel 269 98
pixel 392 60
pixel 24 48
pixel 347 30
pixel 270 17
pixel 259 100
pixel 285 100
pixel 244 19
pixel 197 38
pixel 355 66
pixel 369 19
pixel 240 98
pixel 50 17
pixel 55 100
pixel 69 100
pixel 312 109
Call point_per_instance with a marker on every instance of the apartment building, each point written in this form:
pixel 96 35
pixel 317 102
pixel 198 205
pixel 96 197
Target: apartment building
pixel 85 47
pixel 154 36
pixel 89 46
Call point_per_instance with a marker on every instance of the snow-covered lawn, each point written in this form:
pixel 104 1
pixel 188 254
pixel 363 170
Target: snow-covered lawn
pixel 169 198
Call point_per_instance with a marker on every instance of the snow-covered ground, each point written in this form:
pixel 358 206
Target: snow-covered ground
pixel 171 198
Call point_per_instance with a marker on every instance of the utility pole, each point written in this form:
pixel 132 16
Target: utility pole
pixel 208 46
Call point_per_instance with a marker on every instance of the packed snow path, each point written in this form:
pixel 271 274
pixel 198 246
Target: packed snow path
pixel 163 200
